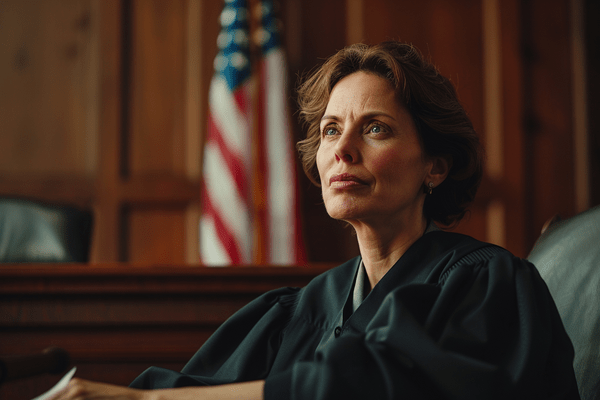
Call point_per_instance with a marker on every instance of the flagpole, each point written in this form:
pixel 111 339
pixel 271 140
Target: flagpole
pixel 258 188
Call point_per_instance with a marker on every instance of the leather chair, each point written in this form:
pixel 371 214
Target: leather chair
pixel 32 231
pixel 567 256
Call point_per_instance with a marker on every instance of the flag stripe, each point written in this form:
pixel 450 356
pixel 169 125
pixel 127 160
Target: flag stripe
pixel 281 188
pixel 217 229
pixel 233 162
pixel 222 195
pixel 211 243
pixel 230 119
pixel 261 182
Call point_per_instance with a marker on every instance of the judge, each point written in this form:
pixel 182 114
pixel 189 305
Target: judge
pixel 422 313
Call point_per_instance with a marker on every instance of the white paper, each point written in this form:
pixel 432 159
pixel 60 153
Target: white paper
pixel 59 386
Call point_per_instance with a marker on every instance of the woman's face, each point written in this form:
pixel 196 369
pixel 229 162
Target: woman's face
pixel 370 160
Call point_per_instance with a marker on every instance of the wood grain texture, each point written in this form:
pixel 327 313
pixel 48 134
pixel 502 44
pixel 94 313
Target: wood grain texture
pixel 158 65
pixel 117 319
pixel 46 78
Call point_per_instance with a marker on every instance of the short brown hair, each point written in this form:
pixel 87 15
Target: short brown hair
pixel 444 128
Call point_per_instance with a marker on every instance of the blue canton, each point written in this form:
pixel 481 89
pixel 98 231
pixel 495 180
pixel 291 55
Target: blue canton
pixel 233 59
pixel 268 34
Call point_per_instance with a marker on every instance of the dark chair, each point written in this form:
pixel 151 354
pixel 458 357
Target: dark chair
pixel 567 256
pixel 32 231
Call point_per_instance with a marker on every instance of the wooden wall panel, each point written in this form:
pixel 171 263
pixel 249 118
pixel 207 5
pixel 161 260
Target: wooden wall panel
pixel 513 185
pixel 48 86
pixel 105 243
pixel 144 146
pixel 157 92
pixel 156 234
pixel 551 120
pixel 94 92
pixel 324 30
pixel 592 38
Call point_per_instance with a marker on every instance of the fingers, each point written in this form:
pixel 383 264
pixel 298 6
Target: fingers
pixel 81 389
pixel 75 390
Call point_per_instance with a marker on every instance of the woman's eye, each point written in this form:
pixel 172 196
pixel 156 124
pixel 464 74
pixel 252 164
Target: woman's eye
pixel 376 129
pixel 329 131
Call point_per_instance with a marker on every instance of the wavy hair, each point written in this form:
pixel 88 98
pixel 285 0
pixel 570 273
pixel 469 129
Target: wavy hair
pixel 443 126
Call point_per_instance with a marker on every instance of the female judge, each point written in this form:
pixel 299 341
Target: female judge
pixel 422 313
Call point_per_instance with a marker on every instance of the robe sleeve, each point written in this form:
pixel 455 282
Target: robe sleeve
pixel 242 349
pixel 490 330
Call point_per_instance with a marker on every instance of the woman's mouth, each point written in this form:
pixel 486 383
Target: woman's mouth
pixel 345 180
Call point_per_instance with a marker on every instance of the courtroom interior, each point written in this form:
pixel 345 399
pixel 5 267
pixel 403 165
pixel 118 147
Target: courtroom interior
pixel 105 110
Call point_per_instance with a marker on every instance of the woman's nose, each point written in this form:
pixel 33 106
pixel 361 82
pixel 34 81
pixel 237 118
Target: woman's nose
pixel 346 148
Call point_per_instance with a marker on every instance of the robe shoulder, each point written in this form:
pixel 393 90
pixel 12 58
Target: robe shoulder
pixel 455 318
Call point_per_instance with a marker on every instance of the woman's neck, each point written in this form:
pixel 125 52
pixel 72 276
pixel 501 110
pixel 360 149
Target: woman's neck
pixel 381 247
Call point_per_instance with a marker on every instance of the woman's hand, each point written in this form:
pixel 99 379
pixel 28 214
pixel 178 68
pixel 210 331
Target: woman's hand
pixel 81 389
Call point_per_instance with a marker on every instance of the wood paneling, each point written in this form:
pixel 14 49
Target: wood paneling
pixel 145 245
pixel 157 92
pixel 116 320
pixel 48 86
pixel 144 147
pixel 592 38
pixel 513 180
pixel 94 107
pixel 105 245
pixel 551 122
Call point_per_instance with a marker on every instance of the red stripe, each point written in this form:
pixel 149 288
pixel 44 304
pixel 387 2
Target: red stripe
pixel 242 99
pixel 226 238
pixel 234 163
pixel 265 209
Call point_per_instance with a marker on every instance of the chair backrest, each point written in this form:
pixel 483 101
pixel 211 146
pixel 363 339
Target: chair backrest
pixel 567 256
pixel 32 231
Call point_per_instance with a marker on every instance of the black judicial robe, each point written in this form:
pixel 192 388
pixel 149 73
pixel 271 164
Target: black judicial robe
pixel 454 318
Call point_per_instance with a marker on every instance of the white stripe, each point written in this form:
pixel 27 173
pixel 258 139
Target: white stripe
pixel 212 251
pixel 280 160
pixel 231 122
pixel 222 190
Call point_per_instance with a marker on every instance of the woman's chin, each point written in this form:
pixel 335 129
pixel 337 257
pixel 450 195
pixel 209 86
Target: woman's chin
pixel 347 214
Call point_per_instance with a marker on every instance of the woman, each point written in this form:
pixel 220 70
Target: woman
pixel 422 313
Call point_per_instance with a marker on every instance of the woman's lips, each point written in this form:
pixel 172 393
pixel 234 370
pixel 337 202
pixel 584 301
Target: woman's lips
pixel 345 180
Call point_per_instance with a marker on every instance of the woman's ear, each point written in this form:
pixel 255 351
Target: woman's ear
pixel 440 168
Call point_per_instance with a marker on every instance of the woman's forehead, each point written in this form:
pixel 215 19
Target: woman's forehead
pixel 362 93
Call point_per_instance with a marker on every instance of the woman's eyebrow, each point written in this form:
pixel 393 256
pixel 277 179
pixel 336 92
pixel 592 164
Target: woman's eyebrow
pixel 329 117
pixel 364 116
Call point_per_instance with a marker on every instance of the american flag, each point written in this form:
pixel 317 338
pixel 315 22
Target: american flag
pixel 249 188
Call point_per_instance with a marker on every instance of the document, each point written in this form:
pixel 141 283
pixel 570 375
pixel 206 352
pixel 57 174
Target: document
pixel 58 387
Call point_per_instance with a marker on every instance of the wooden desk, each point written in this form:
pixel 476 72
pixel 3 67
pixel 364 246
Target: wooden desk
pixel 117 319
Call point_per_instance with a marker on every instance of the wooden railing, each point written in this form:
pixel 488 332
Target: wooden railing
pixel 117 319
